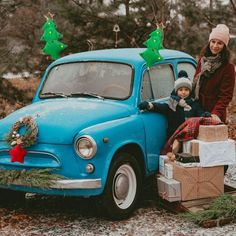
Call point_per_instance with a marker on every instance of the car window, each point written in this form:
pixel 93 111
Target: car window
pixel 188 67
pixel 106 79
pixel 158 82
pixel 146 92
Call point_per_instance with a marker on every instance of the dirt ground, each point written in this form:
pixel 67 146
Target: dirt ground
pixel 51 216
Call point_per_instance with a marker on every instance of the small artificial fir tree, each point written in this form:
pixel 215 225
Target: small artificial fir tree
pixel 51 36
pixel 154 44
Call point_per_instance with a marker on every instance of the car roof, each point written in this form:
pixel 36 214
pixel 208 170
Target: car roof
pixel 126 55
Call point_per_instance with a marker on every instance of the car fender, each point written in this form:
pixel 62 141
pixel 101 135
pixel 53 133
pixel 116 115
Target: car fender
pixel 113 135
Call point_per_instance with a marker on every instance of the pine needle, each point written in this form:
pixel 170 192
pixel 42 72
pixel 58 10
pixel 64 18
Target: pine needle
pixel 41 178
pixel 221 207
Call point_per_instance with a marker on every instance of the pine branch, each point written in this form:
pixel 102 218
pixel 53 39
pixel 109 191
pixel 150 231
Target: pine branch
pixel 222 207
pixel 41 178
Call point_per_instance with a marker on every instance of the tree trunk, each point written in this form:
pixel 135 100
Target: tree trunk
pixel 127 8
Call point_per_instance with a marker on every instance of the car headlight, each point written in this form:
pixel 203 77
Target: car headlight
pixel 86 147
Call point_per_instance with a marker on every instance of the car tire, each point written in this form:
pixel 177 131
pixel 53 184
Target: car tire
pixel 123 187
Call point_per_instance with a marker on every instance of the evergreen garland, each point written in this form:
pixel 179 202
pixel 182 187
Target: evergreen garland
pixel 223 207
pixel 41 178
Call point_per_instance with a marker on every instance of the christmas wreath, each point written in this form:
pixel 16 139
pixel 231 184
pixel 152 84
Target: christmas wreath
pixel 20 140
pixel 28 138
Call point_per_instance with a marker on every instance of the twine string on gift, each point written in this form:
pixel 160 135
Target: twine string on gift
pixel 163 195
pixel 214 187
pixel 198 182
pixel 187 176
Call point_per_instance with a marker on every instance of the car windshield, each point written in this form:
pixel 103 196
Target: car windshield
pixel 90 79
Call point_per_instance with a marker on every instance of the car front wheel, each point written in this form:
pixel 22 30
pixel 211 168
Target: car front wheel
pixel 123 187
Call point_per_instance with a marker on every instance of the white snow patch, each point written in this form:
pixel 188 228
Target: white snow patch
pixel 20 75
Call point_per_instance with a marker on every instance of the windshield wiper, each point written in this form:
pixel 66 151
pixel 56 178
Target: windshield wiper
pixel 85 94
pixel 53 94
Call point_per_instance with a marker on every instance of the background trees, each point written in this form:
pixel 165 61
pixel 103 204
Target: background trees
pixel 97 24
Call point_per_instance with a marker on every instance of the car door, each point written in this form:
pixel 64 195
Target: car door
pixel 157 84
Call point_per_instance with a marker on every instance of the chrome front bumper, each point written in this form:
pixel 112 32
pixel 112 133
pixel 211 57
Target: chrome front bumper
pixel 78 184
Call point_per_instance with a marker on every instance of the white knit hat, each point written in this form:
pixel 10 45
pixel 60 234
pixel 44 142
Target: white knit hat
pixel 183 81
pixel 221 32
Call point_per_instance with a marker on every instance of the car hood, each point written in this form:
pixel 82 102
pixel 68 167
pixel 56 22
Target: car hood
pixel 59 120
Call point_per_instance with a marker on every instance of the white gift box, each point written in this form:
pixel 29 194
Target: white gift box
pixel 162 160
pixel 168 171
pixel 162 170
pixel 169 189
pixel 217 153
pixel 187 146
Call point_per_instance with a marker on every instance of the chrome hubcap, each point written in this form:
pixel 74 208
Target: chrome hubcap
pixel 121 186
pixel 124 186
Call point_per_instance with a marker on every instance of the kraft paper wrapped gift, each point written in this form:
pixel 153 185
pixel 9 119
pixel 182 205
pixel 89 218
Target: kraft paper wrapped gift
pixel 211 133
pixel 191 147
pixel 217 153
pixel 194 147
pixel 199 182
pixel 169 189
pixel 162 160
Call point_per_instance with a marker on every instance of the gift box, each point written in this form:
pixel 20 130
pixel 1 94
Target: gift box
pixel 162 160
pixel 169 189
pixel 199 182
pixel 194 147
pixel 191 147
pixel 217 153
pixel 191 164
pixel 168 171
pixel 186 146
pixel 211 133
pixel 186 158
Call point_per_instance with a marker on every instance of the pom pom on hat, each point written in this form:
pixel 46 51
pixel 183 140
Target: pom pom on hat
pixel 220 32
pixel 183 73
pixel 183 81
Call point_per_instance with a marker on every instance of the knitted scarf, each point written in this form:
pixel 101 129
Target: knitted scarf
pixel 175 101
pixel 208 67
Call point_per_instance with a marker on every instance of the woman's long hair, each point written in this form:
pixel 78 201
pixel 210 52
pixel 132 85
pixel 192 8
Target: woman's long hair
pixel 225 53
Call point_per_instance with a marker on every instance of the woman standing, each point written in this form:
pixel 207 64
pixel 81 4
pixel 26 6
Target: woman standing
pixel 215 74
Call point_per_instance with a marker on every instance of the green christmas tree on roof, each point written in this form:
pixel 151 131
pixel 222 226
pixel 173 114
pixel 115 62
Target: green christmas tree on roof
pixel 153 44
pixel 51 37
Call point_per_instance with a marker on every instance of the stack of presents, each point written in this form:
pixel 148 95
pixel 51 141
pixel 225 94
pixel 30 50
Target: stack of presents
pixel 198 170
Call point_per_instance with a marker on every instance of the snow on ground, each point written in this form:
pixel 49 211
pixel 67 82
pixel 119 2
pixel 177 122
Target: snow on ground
pixel 230 176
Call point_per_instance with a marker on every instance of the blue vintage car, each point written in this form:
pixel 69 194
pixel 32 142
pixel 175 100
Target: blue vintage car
pixel 90 129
